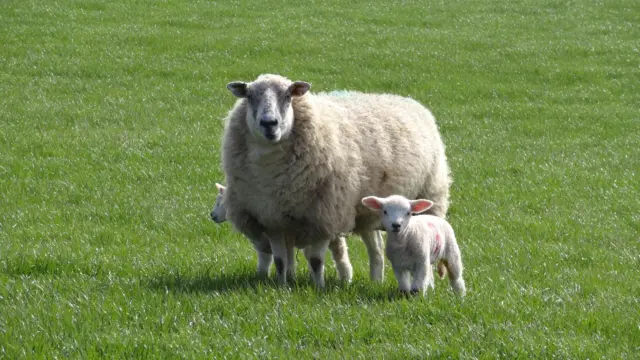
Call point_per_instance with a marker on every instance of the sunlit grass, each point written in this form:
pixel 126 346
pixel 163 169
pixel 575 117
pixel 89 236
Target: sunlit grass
pixel 110 123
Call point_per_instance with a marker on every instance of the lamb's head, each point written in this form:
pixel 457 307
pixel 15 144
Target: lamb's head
pixel 396 210
pixel 269 111
pixel 219 212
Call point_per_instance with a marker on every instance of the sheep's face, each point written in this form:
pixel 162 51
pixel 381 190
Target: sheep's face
pixel 219 212
pixel 269 114
pixel 396 210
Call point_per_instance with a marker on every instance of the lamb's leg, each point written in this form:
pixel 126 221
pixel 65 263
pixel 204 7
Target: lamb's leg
pixel 340 253
pixel 422 277
pixel 315 254
pixel 373 241
pixel 404 283
pixel 453 262
pixel 249 226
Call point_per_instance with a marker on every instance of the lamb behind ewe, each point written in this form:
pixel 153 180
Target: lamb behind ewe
pixel 414 243
pixel 338 246
pixel 298 164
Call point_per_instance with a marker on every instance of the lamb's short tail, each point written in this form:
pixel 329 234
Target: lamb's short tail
pixel 442 269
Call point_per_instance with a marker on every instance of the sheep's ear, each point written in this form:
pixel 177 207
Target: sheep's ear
pixel 372 202
pixel 238 88
pixel 299 88
pixel 418 206
pixel 220 188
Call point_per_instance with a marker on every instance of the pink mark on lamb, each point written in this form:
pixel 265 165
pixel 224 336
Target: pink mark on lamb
pixel 437 247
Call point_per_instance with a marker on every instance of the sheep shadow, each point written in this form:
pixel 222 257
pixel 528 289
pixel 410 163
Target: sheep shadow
pixel 206 283
pixel 358 291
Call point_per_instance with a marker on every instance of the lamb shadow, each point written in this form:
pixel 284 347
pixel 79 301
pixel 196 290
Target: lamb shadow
pixel 364 290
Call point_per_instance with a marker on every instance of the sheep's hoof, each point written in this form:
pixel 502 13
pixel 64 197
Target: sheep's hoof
pixel 282 280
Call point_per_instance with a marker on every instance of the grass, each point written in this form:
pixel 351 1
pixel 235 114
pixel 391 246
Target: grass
pixel 110 121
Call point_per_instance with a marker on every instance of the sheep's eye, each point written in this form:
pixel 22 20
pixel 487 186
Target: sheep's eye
pixel 385 212
pixel 408 213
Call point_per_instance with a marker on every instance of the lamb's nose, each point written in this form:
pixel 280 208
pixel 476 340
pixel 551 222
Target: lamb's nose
pixel 395 226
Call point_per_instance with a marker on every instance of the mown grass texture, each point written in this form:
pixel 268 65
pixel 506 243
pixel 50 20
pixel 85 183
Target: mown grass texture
pixel 110 124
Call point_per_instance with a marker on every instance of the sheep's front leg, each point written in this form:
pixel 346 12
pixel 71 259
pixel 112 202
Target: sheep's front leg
pixel 374 243
pixel 422 277
pixel 315 254
pixel 265 257
pixel 264 263
pixel 291 262
pixel 280 258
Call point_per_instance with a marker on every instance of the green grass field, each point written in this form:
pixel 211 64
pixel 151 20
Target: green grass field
pixel 110 124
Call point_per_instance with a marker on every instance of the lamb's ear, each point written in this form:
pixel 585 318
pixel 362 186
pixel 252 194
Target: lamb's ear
pixel 238 88
pixel 372 202
pixel 220 188
pixel 418 206
pixel 299 88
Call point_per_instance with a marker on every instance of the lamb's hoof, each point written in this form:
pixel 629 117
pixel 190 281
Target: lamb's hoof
pixel 415 292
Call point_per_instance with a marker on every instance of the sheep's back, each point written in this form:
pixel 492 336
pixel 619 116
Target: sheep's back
pixel 398 143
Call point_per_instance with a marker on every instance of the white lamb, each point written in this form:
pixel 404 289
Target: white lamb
pixel 338 246
pixel 414 243
pixel 298 164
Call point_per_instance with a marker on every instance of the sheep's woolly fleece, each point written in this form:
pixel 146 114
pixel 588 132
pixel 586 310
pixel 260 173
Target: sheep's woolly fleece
pixel 308 186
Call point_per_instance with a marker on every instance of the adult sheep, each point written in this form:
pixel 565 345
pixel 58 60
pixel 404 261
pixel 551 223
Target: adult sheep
pixel 298 164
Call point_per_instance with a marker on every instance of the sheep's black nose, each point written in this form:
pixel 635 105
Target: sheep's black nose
pixel 268 122
pixel 395 226
pixel 213 216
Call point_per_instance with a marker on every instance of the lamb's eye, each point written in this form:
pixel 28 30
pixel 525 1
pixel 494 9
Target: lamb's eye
pixel 385 212
pixel 408 213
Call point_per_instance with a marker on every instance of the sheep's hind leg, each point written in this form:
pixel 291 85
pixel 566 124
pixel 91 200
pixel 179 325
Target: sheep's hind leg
pixel 374 243
pixel 340 254
pixel 315 254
